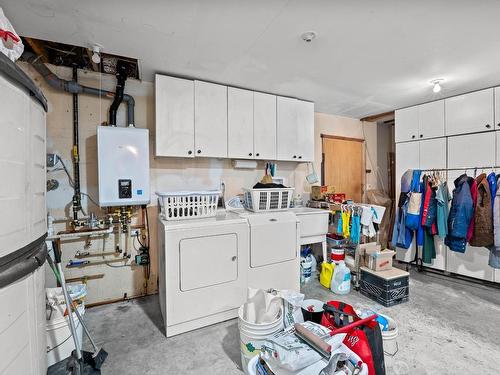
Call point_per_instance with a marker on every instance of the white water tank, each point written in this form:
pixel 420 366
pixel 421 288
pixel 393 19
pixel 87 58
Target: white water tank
pixel 22 224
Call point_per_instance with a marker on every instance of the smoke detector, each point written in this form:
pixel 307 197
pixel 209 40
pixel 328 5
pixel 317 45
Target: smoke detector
pixel 308 36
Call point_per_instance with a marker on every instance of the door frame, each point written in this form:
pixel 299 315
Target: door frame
pixel 351 139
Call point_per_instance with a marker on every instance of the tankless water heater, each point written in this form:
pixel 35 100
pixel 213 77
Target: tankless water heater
pixel 123 163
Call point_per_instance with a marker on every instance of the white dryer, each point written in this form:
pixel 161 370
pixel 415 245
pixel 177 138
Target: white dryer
pixel 202 270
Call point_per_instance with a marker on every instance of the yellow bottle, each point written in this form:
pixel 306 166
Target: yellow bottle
pixel 325 277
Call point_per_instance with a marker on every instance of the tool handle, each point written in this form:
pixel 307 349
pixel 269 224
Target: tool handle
pixel 312 338
pixel 353 325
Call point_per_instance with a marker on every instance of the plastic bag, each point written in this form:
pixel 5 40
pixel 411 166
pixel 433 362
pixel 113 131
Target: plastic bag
pixel 286 351
pixel 10 43
pixel 292 307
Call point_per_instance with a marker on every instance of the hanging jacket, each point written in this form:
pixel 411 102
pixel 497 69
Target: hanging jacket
pixel 401 235
pixel 414 202
pixel 483 222
pixel 473 191
pixel 492 181
pixel 461 215
pixel 429 215
pixel 442 198
pixel 494 259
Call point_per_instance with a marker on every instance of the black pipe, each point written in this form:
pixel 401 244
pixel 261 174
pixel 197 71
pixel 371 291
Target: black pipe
pixel 77 196
pixel 121 77
pixel 73 87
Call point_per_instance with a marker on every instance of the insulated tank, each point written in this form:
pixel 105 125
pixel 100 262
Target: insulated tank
pixel 22 223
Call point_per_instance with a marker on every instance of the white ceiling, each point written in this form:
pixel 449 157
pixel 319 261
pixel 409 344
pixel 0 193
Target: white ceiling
pixel 369 56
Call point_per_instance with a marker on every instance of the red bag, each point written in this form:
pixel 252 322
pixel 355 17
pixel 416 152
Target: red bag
pixel 365 340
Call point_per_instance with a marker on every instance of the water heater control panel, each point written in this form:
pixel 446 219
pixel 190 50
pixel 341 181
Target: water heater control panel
pixel 123 166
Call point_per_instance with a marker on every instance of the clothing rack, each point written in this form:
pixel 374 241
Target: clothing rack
pixel 417 261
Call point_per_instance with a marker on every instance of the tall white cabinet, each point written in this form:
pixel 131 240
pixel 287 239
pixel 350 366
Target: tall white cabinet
pixel 455 134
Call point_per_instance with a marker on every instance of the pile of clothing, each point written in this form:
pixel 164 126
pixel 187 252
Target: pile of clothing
pixel 353 221
pixel 473 217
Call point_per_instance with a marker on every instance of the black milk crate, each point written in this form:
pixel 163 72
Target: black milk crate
pixel 386 292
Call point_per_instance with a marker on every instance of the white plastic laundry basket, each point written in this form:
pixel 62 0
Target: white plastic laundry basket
pixel 268 199
pixel 179 205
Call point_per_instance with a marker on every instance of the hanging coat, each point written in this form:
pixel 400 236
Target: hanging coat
pixel 473 191
pixel 461 215
pixel 442 198
pixel 483 221
pixel 494 260
pixel 492 181
pixel 401 235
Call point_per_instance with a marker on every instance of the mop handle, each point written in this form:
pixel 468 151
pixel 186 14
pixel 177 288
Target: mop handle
pixel 357 323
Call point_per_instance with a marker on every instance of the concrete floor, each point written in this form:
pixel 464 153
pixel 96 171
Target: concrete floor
pixel 448 326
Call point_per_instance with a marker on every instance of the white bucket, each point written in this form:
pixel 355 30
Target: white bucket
pixel 253 335
pixel 390 336
pixel 305 270
pixel 59 340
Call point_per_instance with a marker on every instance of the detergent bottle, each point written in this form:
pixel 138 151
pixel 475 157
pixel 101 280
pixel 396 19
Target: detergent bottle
pixel 341 280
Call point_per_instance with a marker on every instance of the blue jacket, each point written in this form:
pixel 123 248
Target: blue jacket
pixel 461 214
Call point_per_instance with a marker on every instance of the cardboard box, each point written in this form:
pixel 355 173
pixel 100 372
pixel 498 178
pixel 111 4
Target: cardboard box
pixel 380 261
pixel 318 192
pixel 365 250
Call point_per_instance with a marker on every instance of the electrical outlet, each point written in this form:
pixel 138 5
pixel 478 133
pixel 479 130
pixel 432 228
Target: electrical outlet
pixel 135 233
pixel 51 160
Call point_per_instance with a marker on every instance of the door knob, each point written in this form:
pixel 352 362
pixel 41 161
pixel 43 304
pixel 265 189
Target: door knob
pixel 300 157
pixel 199 151
pixel 421 135
pixel 412 137
pixel 257 154
pixel 234 258
pixel 249 154
pixel 488 126
pixel 190 152
pixel 295 156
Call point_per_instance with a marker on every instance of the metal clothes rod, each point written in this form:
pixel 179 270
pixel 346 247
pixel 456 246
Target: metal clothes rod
pixel 458 169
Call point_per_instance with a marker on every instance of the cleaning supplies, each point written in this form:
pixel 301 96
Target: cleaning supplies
pixel 341 280
pixel 325 277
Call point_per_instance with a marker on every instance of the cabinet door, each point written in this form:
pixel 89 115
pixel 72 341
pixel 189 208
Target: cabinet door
pixel 472 263
pixel 239 123
pixel 470 151
pixel 264 126
pixel 497 108
pixel 287 128
pixel 305 131
pixel 210 120
pixel 174 99
pixel 432 153
pixel 406 121
pixel 431 120
pixel 469 113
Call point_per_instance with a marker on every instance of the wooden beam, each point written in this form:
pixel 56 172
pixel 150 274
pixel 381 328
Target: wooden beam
pixel 38 48
pixel 342 138
pixel 379 117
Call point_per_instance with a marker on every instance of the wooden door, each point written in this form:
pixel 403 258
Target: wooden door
pixel 344 165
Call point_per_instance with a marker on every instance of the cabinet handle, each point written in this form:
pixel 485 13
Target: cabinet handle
pixel 190 152
pixel 412 137
pixel 257 154
pixel 421 135
pixel 300 157
pixel 199 151
pixel 249 154
pixel 488 126
pixel 295 156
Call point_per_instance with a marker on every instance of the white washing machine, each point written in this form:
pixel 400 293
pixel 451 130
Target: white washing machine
pixel 274 251
pixel 203 267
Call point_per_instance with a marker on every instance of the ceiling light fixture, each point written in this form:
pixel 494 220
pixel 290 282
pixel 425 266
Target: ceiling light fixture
pixel 96 55
pixel 308 36
pixel 436 85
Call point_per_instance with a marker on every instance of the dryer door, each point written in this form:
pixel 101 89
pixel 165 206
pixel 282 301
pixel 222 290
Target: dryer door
pixel 273 238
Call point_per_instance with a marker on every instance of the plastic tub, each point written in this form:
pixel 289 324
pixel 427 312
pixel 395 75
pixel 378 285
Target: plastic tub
pixel 390 337
pixel 253 335
pixel 312 310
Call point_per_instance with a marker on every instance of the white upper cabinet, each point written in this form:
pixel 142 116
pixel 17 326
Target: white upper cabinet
pixel 174 106
pixel 470 113
pixel 497 108
pixel 420 122
pixel 305 131
pixel 432 153
pixel 264 126
pixel 431 120
pixel 287 134
pixel 471 151
pixel 240 117
pixel 210 119
pixel 406 128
